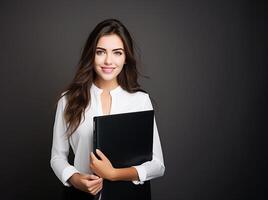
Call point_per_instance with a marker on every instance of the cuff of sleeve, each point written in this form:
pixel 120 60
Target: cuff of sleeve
pixel 141 173
pixel 67 173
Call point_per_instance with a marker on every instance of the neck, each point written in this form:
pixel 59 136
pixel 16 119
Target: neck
pixel 106 85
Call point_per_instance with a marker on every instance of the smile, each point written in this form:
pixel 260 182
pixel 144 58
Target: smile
pixel 107 70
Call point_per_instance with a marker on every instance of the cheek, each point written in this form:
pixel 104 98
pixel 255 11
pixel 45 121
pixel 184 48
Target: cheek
pixel 120 62
pixel 98 60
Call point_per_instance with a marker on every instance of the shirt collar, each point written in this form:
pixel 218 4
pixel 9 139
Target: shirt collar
pixel 98 90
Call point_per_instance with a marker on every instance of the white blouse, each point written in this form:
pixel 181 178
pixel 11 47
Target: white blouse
pixel 81 140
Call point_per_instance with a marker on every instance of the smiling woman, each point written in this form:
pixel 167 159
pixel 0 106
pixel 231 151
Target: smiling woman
pixel 105 83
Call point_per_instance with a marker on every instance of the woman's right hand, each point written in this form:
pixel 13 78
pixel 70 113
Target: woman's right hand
pixel 86 182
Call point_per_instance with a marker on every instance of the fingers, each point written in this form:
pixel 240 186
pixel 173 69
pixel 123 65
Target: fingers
pixel 91 183
pixel 93 177
pixel 93 157
pixel 95 188
pixel 93 161
pixel 95 191
pixel 101 155
pixel 89 177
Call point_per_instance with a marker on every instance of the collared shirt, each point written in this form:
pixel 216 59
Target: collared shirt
pixel 81 140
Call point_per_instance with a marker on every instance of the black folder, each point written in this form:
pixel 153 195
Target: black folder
pixel 127 140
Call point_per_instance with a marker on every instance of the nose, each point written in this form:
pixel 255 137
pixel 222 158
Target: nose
pixel 108 59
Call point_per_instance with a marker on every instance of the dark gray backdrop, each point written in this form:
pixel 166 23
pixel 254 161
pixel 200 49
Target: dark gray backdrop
pixel 206 62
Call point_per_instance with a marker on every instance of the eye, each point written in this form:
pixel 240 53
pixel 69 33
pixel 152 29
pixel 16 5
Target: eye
pixel 118 53
pixel 99 52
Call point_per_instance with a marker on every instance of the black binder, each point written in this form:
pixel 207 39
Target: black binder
pixel 127 140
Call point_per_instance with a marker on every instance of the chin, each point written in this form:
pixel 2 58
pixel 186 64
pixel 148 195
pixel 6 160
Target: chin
pixel 107 79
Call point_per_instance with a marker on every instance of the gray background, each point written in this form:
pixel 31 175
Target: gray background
pixel 207 67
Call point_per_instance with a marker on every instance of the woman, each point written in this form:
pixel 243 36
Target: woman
pixel 105 83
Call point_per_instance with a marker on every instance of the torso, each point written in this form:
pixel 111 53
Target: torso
pixel 102 103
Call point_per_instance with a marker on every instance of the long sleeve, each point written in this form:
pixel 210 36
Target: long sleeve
pixel 154 168
pixel 60 147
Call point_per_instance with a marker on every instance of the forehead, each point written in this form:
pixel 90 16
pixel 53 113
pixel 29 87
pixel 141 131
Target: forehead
pixel 110 42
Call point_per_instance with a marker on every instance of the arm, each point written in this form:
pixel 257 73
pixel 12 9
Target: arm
pixel 67 173
pixel 60 147
pixel 125 174
pixel 103 168
pixel 146 171
pixel 154 168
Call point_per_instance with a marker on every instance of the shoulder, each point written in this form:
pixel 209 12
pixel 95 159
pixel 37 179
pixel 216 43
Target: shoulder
pixel 139 99
pixel 138 96
pixel 62 99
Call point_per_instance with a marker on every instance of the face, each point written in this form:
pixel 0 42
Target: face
pixel 109 58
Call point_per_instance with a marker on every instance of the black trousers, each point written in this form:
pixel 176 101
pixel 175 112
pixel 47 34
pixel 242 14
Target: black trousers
pixel 71 193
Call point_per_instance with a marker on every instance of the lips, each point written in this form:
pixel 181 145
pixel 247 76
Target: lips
pixel 107 70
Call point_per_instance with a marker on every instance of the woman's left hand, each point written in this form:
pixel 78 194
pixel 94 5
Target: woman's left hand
pixel 102 167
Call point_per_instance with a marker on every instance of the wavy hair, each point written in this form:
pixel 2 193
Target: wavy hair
pixel 78 91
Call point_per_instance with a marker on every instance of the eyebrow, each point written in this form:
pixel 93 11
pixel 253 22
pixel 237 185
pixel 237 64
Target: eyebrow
pixel 112 50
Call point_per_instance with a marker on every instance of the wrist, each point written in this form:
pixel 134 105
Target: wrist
pixel 114 175
pixel 73 179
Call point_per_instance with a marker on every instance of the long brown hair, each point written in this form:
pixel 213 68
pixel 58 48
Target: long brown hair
pixel 78 91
